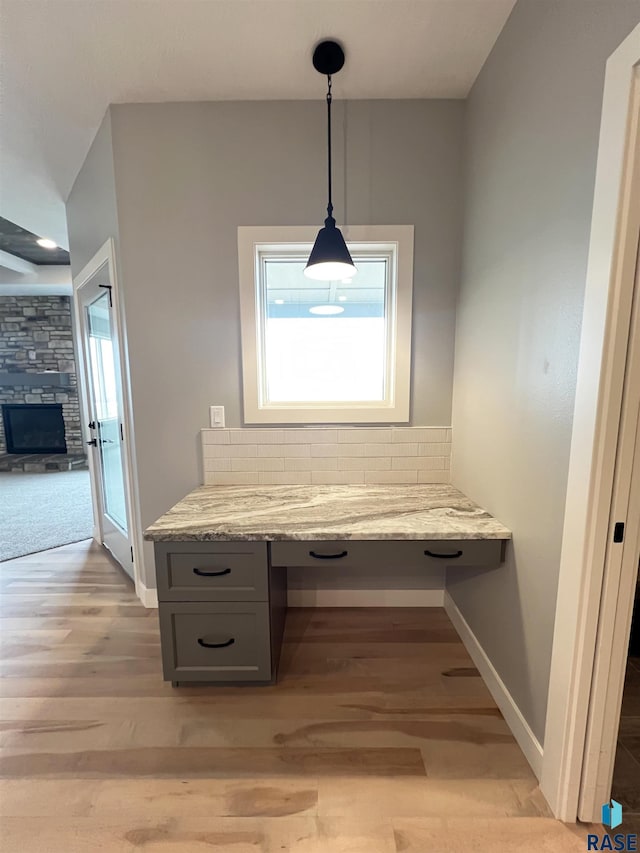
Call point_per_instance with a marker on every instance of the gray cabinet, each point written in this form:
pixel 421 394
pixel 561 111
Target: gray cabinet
pixel 223 604
pixel 216 642
pixel 211 571
pixel 221 609
pixel 408 553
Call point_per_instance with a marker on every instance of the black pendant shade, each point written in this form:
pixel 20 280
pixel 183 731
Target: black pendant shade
pixel 329 259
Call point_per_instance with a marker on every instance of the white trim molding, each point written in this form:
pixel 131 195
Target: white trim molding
pixel 46 280
pixel 527 741
pixel 393 243
pixel 147 595
pixel 16 264
pixel 601 365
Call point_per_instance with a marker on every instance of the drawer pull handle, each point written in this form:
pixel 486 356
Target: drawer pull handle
pixel 443 556
pixel 224 645
pixel 204 574
pixel 328 556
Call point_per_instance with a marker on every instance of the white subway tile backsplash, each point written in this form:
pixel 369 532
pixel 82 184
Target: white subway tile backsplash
pixel 254 464
pixel 431 434
pixel 311 464
pixel 337 478
pixel 310 436
pixel 389 477
pixel 388 449
pixel 229 451
pixel 418 463
pixel 256 436
pixel 216 464
pixel 286 450
pixel 286 478
pixel 433 476
pixel 374 435
pixel 364 463
pixel 326 455
pixel 321 450
pixel 354 450
pixel 442 449
pixel 233 478
pixel 215 436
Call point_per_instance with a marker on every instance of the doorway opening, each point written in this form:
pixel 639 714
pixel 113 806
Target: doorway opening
pixel 45 496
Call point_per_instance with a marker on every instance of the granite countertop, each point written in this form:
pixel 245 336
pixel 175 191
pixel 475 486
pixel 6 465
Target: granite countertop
pixel 307 513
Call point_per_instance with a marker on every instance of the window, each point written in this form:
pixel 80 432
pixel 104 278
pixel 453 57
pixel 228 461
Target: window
pixel 326 352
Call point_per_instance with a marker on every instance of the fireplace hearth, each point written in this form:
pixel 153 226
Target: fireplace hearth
pixel 34 428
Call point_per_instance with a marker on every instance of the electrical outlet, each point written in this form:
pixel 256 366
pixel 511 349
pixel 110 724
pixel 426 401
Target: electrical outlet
pixel 216 414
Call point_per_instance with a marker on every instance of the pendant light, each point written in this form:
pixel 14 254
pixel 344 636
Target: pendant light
pixel 329 259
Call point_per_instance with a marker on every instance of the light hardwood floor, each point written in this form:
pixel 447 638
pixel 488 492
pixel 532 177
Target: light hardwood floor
pixel 379 737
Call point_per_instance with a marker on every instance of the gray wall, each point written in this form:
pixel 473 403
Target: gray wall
pixel 188 174
pixel 91 207
pixel 532 133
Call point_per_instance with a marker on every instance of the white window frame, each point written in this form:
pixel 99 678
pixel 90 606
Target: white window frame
pixel 393 241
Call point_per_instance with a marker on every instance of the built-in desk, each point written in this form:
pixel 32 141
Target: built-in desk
pixel 222 555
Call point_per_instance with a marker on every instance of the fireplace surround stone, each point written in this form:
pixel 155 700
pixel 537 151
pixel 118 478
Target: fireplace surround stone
pixel 36 343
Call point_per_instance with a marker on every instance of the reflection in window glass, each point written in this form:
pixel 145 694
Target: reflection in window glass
pixel 104 378
pixel 105 393
pixel 324 341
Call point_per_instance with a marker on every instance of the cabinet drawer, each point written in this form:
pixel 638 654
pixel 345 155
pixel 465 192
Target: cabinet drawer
pixel 209 642
pixel 388 553
pixel 210 571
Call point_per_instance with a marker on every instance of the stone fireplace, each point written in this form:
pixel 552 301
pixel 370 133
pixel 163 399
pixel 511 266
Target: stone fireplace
pixel 38 376
pixel 34 427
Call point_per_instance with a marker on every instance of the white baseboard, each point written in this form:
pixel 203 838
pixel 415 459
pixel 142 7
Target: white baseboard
pixel 527 741
pixel 365 597
pixel 148 597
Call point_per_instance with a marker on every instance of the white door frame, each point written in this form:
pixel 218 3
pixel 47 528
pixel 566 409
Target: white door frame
pixel 620 575
pixel 115 536
pixel 597 416
pixel 106 255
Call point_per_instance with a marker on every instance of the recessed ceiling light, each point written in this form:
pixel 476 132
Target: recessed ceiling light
pixel 46 243
pixel 326 309
pixel 279 301
pixel 342 298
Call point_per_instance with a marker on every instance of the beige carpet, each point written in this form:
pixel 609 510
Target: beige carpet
pixel 40 511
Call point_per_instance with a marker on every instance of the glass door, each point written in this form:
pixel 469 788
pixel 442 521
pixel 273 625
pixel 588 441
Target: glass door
pixel 106 428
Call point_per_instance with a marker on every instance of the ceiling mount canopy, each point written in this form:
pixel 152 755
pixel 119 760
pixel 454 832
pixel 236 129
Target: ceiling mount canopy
pixel 329 259
pixel 328 58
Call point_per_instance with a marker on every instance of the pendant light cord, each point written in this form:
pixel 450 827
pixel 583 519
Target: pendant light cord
pixel 329 99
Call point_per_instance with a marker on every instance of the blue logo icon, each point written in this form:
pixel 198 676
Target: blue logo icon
pixel 612 814
pixel 612 817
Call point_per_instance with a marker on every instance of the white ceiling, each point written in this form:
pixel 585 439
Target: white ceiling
pixel 64 61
